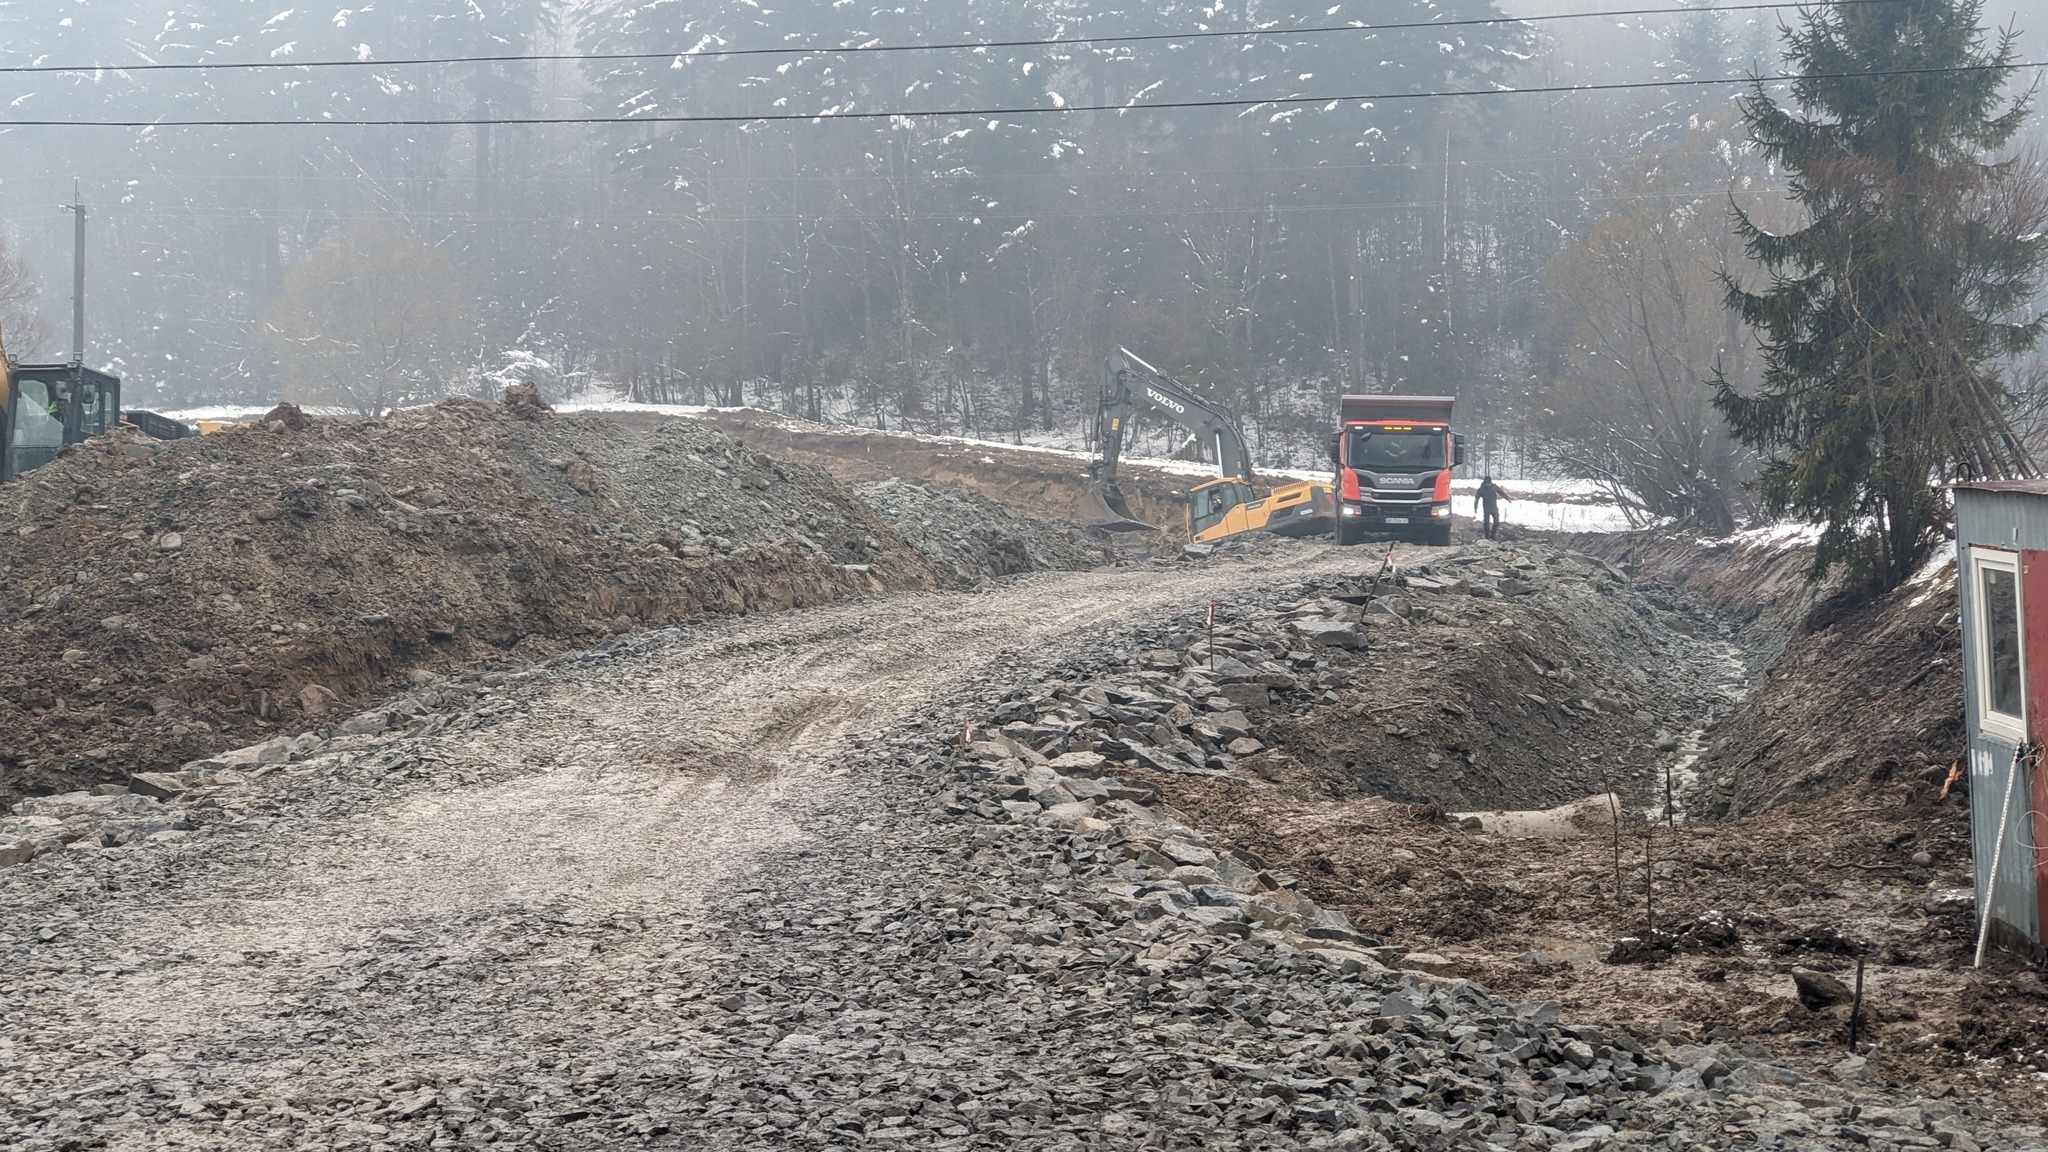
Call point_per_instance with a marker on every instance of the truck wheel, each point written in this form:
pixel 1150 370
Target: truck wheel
pixel 1439 535
pixel 1343 533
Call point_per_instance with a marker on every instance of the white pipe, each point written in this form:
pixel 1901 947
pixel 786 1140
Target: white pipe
pixel 1997 854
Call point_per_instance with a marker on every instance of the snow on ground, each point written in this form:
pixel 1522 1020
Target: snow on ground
pixel 1784 534
pixel 587 402
pixel 1938 573
pixel 239 413
pixel 1555 515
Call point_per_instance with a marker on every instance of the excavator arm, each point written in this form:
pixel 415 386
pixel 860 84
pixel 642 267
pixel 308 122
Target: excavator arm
pixel 1129 385
pixel 1217 509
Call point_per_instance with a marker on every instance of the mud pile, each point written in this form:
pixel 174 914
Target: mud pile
pixel 1692 930
pixel 968 538
pixel 176 598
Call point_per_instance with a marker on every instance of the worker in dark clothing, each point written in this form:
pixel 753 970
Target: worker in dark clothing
pixel 1489 497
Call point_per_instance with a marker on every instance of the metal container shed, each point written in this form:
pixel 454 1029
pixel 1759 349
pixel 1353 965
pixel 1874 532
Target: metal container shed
pixel 2002 579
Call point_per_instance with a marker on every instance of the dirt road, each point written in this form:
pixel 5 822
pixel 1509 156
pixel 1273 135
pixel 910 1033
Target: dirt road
pixel 739 886
pixel 418 912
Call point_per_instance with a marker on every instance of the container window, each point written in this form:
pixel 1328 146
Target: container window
pixel 2001 680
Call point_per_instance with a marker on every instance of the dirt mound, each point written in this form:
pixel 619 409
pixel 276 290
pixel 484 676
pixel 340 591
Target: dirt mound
pixel 1847 689
pixel 1496 676
pixel 1510 676
pixel 1033 481
pixel 175 598
pixel 969 538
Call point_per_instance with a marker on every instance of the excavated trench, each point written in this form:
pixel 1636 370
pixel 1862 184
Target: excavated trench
pixel 1521 676
pixel 1777 758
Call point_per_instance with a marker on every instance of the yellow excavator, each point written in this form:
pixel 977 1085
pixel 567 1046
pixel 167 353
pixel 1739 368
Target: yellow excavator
pixel 1217 509
pixel 44 407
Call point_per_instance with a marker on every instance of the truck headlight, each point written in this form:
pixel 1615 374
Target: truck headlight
pixel 1352 510
pixel 1441 511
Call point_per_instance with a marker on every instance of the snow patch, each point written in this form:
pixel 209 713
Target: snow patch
pixel 1938 573
pixel 1784 534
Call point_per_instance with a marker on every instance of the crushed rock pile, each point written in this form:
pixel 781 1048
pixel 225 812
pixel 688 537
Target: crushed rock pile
pixel 1496 676
pixel 968 538
pixel 160 808
pixel 174 596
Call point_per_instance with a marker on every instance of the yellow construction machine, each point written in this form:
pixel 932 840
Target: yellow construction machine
pixel 1217 509
pixel 44 407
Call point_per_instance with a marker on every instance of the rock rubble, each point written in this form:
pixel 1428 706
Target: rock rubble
pixel 177 595
pixel 930 936
pixel 970 539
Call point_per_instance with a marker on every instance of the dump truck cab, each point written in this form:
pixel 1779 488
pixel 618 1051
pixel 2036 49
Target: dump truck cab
pixel 47 406
pixel 1394 456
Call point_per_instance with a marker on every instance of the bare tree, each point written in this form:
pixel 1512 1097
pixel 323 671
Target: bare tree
pixel 25 328
pixel 1636 315
pixel 368 321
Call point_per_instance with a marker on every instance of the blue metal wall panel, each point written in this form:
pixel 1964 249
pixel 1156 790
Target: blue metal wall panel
pixel 2002 519
pixel 2008 521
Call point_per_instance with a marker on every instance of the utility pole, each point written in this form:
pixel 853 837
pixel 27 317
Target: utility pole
pixel 77 206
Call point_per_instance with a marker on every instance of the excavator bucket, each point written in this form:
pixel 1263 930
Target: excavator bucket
pixel 1102 506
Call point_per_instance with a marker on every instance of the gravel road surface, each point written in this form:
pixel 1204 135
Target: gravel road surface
pixel 498 910
pixel 740 885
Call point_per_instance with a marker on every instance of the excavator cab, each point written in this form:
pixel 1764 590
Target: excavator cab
pixel 47 406
pixel 1210 506
pixel 1230 507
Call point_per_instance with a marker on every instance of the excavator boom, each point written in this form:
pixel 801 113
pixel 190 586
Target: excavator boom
pixel 1220 508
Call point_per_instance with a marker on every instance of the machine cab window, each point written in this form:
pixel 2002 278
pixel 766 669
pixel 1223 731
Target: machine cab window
pixel 36 425
pixel 1210 503
pixel 47 406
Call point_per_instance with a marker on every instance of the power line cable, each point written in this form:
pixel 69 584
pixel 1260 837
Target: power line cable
pixel 1150 210
pixel 1018 110
pixel 957 172
pixel 942 46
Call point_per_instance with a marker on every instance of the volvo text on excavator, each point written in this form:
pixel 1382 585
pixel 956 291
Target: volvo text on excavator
pixel 1218 509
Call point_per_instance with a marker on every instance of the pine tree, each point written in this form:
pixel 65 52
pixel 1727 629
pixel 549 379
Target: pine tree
pixel 1887 314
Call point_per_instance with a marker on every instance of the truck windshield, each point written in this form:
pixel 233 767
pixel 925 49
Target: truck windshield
pixel 1395 451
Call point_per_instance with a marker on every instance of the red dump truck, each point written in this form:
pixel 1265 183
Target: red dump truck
pixel 1394 456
